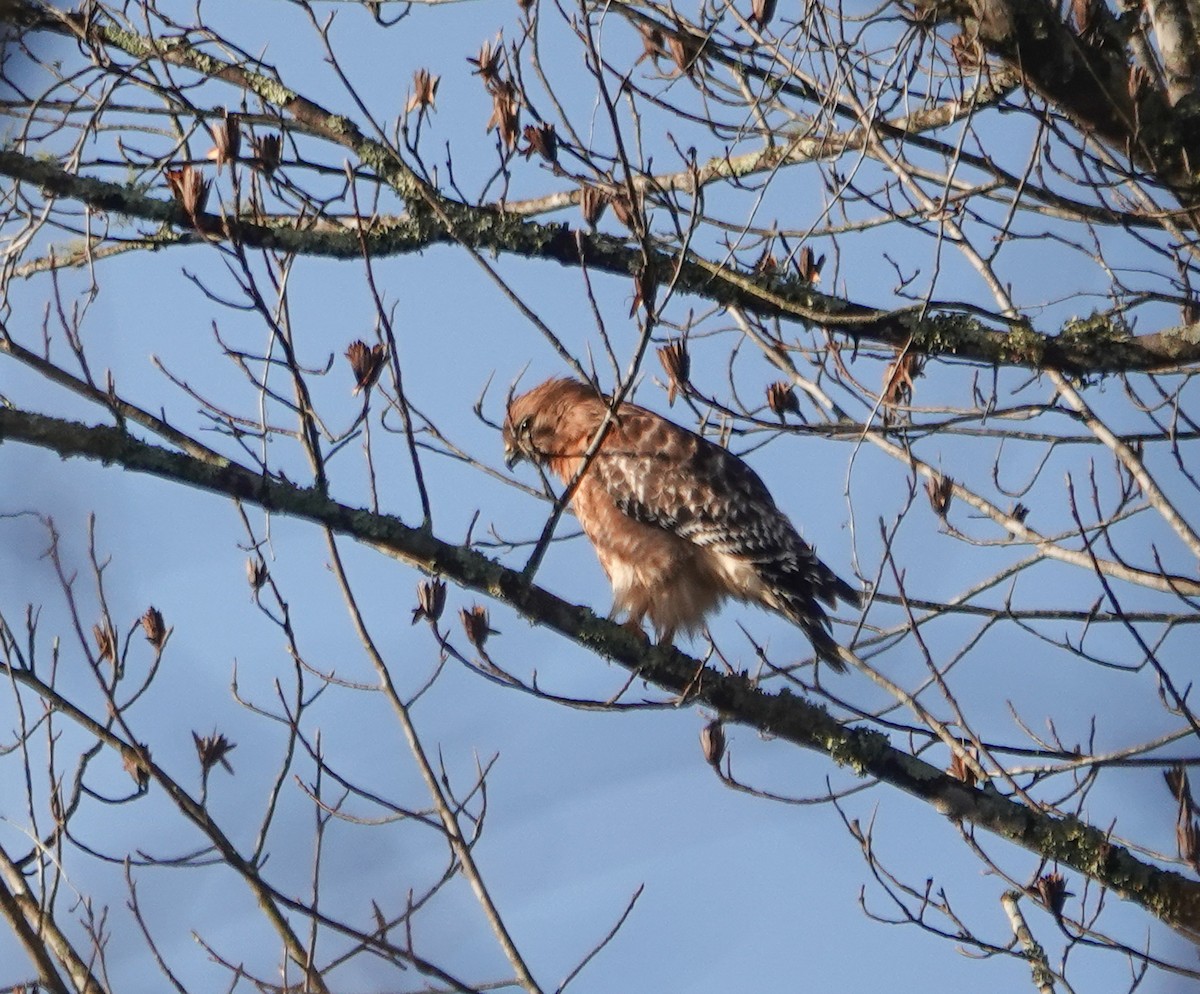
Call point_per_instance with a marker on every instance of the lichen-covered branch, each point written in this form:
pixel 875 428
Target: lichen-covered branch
pixel 1094 346
pixel 1165 894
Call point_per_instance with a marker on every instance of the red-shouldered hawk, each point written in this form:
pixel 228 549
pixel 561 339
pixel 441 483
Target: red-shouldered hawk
pixel 678 522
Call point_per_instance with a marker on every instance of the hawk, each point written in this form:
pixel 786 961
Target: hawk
pixel 679 523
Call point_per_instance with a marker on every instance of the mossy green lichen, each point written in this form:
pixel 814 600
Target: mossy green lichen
pixel 1182 339
pixel 941 334
pixel 338 124
pixel 858 750
pixel 182 50
pixel 1096 330
pixel 1021 344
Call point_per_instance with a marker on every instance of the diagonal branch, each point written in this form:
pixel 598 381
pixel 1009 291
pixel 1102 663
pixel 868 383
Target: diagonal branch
pixel 1083 348
pixel 1165 894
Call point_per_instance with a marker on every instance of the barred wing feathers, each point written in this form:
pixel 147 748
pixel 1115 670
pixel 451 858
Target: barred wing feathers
pixel 679 523
pixel 662 475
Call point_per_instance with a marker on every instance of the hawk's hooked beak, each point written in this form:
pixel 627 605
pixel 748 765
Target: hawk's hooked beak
pixel 512 455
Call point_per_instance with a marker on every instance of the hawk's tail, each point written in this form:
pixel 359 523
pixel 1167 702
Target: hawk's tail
pixel 824 645
pixel 831 588
pixel 800 602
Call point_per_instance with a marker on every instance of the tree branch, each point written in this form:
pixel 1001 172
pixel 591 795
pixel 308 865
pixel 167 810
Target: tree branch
pixel 1089 79
pixel 1165 894
pixel 1092 347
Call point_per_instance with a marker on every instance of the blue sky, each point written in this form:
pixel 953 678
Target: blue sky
pixel 583 808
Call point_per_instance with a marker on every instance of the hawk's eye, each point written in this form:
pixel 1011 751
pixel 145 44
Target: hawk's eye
pixel 524 427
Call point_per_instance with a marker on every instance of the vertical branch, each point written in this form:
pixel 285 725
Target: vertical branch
pixel 446 813
pixel 1043 976
pixel 393 356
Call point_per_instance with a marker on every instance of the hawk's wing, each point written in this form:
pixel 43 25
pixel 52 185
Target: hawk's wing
pixel 663 475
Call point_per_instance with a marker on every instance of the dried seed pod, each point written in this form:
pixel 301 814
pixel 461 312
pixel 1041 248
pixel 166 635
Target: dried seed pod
pixel 366 362
pixel 431 600
pixel 645 291
pixel 256 573
pixel 489 62
pixel 898 380
pixel 106 642
pixel 1081 14
pixel 712 742
pixel 213 749
pixel 227 138
pixel 628 211
pixel 541 139
pixel 1177 783
pixel 475 624
pixel 1020 512
pixel 940 491
pixel 267 152
pixel 678 366
pixel 424 92
pixel 592 201
pixel 189 189
pixel 506 112
pixel 961 770
pixel 781 398
pixel 1187 832
pixel 1140 82
pixel 766 263
pixel 155 628
pixel 809 265
pixel 1187 838
pixel 1051 888
pixel 687 52
pixel 136 764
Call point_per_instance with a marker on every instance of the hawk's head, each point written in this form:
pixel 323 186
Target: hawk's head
pixel 523 426
pixel 542 423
